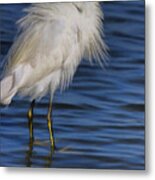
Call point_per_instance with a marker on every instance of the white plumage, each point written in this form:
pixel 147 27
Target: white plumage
pixel 52 40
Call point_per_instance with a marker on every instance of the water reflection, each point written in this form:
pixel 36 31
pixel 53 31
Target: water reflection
pixel 32 157
pixel 29 154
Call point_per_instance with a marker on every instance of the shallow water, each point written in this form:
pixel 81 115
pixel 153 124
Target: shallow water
pixel 99 120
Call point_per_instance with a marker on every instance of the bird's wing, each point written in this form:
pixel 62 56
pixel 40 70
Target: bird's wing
pixel 34 54
pixel 38 38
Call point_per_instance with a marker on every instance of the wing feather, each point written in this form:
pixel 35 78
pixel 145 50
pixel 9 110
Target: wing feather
pixel 37 40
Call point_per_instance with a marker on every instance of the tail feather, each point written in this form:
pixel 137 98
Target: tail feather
pixel 6 90
pixel 11 83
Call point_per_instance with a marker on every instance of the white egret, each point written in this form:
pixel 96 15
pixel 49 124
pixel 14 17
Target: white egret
pixel 52 40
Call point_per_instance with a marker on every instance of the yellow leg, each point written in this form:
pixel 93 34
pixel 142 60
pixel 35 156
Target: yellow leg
pixel 29 154
pixel 30 118
pixel 50 128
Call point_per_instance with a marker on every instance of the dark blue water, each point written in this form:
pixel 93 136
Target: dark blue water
pixel 99 120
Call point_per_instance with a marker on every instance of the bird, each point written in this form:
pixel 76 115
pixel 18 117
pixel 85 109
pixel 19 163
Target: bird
pixel 51 41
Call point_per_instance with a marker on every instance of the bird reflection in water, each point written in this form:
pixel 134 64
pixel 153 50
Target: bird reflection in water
pixel 30 154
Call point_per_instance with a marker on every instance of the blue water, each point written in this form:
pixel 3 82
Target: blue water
pixel 99 120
